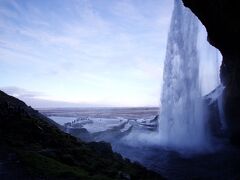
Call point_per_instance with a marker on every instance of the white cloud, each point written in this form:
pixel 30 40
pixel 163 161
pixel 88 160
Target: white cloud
pixel 126 10
pixel 20 92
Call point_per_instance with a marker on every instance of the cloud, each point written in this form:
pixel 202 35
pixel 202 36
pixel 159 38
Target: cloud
pixel 126 10
pixel 40 100
pixel 20 92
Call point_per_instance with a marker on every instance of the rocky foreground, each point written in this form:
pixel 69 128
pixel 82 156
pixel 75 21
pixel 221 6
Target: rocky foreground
pixel 33 147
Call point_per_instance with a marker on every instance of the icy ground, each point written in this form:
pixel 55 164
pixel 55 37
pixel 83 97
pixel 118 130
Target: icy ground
pixel 96 120
pixel 105 124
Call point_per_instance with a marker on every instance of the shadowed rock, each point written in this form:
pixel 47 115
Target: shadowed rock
pixel 221 19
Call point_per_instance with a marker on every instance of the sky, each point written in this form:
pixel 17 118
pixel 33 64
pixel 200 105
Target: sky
pixel 77 53
pixel 72 53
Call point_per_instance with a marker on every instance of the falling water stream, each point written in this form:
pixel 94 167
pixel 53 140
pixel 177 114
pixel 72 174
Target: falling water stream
pixel 181 120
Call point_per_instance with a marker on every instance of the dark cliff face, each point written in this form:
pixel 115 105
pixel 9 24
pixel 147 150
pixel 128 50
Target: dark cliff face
pixel 221 19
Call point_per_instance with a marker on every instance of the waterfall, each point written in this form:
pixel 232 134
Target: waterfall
pixel 181 118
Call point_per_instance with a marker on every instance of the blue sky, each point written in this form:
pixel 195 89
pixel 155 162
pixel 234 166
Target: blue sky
pixel 83 52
